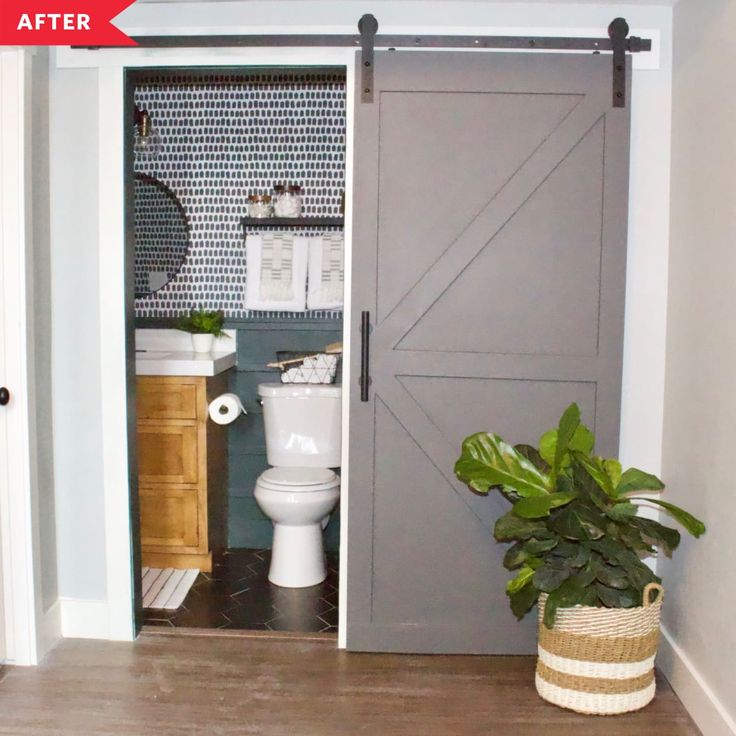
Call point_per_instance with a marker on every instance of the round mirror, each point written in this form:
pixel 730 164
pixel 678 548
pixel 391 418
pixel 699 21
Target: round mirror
pixel 161 232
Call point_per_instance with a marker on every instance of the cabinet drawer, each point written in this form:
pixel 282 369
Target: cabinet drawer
pixel 167 453
pixel 169 517
pixel 166 400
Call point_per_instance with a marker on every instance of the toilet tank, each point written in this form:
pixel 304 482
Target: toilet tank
pixel 303 424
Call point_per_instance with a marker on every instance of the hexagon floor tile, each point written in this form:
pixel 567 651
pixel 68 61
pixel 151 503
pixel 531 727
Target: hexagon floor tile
pixel 237 595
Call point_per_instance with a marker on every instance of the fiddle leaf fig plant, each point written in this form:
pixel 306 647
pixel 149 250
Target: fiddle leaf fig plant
pixel 574 524
pixel 203 322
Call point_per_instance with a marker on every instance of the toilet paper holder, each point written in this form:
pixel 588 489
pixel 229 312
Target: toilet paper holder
pixel 226 408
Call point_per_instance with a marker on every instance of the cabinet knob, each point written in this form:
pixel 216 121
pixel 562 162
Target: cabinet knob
pixel 4 396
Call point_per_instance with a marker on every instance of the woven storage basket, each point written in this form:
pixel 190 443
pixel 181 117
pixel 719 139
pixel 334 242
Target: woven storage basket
pixel 600 660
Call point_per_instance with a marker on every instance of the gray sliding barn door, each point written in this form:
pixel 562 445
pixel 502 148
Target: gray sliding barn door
pixel 489 246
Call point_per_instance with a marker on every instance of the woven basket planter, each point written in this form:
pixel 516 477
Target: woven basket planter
pixel 600 660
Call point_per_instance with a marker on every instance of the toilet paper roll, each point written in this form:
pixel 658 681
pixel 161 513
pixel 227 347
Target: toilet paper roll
pixel 226 408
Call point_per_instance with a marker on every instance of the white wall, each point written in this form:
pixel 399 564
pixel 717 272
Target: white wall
pixel 79 385
pixel 41 327
pixel 700 404
pixel 76 346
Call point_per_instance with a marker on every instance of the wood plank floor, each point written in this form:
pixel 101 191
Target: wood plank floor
pixel 219 686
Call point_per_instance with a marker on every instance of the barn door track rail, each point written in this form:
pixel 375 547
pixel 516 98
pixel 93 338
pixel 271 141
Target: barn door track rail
pixel 618 41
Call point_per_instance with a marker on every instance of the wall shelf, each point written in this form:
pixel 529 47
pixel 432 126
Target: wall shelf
pixel 249 223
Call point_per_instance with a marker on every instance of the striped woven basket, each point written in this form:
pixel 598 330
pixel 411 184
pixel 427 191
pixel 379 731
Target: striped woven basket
pixel 600 660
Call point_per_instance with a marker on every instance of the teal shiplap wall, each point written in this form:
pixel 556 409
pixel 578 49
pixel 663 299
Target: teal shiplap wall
pixel 258 341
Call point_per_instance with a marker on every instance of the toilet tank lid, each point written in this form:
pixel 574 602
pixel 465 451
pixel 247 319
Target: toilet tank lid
pixel 298 476
pixel 291 390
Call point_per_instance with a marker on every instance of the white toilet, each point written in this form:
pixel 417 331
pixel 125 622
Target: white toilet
pixel 303 441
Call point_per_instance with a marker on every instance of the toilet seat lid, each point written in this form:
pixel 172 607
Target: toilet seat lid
pixel 305 477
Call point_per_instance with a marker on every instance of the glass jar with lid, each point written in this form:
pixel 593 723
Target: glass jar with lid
pixel 259 205
pixel 288 200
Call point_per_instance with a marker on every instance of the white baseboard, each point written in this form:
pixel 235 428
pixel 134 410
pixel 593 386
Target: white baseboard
pixel 50 630
pixel 84 619
pixel 701 702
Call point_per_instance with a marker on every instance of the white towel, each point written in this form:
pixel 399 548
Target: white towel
pixel 326 272
pixel 285 270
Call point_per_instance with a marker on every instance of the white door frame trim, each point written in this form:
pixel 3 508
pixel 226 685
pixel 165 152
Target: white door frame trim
pixel 118 542
pixel 18 511
pixel 110 64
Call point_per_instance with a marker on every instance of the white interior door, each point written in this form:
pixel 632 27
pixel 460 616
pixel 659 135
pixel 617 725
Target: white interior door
pixel 4 485
pixel 18 613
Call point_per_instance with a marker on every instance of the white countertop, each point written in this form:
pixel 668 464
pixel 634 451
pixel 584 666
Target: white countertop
pixel 169 353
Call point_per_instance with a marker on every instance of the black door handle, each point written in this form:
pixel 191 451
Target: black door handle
pixel 4 396
pixel 365 354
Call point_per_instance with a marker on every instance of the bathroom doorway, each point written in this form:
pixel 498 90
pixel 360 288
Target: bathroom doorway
pixel 210 154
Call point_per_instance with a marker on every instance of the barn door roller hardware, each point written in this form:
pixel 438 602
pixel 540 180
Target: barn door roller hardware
pixel 367 26
pixel 367 40
pixel 618 42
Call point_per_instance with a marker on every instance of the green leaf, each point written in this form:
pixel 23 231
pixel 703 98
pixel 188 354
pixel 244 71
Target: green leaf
pixel 555 444
pixel 202 321
pixel 533 456
pixel 637 572
pixel 659 534
pixel 570 593
pixel 608 549
pixel 622 511
pixel 567 523
pixel 597 497
pixel 528 551
pixel 515 556
pixel 589 597
pixel 596 469
pixel 614 598
pixel 537 546
pixel 613 470
pixel 586 576
pixel 522 600
pixel 610 576
pixel 569 422
pixel 583 440
pixel 576 554
pixel 548 446
pixel 593 522
pixel 538 506
pixel 565 485
pixel 550 576
pixel 632 538
pixel 634 479
pixel 510 527
pixel 523 577
pixel 693 525
pixel 581 556
pixel 487 461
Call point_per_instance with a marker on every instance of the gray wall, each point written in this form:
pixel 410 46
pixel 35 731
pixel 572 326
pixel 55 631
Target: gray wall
pixel 258 341
pixel 42 326
pixel 77 418
pixel 700 394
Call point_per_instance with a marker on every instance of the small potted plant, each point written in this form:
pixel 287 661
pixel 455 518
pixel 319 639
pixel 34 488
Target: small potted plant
pixel 577 549
pixel 204 327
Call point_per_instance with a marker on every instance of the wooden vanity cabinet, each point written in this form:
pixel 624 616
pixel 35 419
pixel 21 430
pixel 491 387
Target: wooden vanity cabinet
pixel 182 471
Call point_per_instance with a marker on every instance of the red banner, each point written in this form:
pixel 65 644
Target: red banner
pixel 62 23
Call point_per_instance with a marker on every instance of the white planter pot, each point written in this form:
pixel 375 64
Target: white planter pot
pixel 202 343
